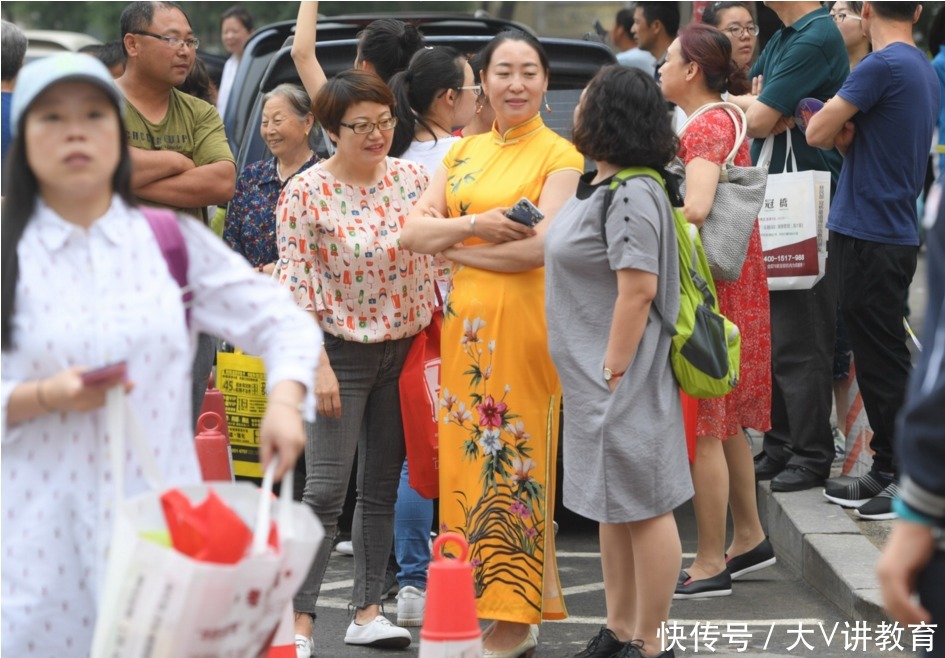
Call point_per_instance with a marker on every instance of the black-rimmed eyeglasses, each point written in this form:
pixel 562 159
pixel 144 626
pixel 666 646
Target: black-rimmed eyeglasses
pixel 737 31
pixel 174 42
pixel 365 127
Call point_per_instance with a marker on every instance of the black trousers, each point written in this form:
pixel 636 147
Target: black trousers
pixel 803 331
pixel 874 280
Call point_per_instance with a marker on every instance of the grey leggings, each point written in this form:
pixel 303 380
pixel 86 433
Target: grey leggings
pixel 370 424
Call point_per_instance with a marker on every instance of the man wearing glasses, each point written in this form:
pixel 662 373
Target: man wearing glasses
pixel 180 155
pixel 178 144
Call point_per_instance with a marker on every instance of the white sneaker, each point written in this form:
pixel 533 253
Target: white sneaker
pixel 345 547
pixel 379 633
pixel 410 604
pixel 304 647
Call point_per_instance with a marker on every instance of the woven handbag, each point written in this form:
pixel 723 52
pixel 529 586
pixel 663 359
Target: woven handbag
pixel 738 200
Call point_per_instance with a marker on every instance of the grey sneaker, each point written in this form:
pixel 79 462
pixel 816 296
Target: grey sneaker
pixel 879 508
pixel 855 494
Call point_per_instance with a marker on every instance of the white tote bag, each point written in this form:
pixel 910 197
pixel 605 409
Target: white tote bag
pixel 793 223
pixel 159 603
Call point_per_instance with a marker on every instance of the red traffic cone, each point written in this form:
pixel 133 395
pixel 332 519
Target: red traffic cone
pixel 213 449
pixel 450 626
pixel 213 401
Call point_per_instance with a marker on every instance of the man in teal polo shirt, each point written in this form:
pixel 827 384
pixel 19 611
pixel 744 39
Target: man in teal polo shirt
pixel 805 58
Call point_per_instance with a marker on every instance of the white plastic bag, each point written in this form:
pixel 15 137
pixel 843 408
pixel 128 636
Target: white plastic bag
pixel 793 223
pixel 159 603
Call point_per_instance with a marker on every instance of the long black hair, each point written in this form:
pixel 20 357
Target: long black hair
pixel 388 44
pixel 430 74
pixel 18 208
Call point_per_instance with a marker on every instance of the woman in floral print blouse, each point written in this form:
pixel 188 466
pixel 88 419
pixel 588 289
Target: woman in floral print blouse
pixel 338 229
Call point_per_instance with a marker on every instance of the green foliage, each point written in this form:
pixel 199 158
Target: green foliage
pixel 100 19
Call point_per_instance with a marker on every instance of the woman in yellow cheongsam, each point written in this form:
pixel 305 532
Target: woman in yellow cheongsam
pixel 500 394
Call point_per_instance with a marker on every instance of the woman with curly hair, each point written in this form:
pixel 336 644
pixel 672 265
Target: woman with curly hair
pixel 624 442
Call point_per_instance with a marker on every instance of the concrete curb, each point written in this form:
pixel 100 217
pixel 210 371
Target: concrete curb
pixel 819 541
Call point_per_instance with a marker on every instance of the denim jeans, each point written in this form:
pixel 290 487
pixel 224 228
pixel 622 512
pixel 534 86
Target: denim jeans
pixel 413 518
pixel 370 425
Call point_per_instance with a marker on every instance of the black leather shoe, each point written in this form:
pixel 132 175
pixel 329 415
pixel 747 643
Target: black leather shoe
pixel 796 478
pixel 603 645
pixel 766 467
pixel 720 585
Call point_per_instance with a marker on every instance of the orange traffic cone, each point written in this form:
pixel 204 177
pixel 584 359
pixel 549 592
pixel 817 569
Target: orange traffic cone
pixel 213 401
pixel 450 626
pixel 213 449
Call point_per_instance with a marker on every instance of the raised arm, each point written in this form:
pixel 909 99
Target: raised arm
pixel 303 49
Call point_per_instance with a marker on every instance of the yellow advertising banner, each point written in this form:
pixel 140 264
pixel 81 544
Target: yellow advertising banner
pixel 242 379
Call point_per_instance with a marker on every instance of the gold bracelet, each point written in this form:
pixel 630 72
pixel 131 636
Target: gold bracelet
pixel 472 225
pixel 41 399
pixel 300 407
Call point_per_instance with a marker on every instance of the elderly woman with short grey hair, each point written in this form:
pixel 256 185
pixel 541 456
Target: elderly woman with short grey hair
pixel 250 219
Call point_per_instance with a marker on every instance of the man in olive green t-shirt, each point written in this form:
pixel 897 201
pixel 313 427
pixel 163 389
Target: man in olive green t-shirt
pixel 180 155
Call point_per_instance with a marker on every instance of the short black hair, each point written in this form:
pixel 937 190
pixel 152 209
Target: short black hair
pixel 623 120
pixel 625 18
pixel 110 54
pixel 895 11
pixel 138 16
pixel 13 50
pixel 239 14
pixel 666 13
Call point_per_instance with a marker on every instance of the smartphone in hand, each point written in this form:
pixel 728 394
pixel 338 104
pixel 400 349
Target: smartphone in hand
pixel 105 373
pixel 525 212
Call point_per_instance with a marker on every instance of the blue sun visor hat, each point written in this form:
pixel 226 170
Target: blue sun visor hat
pixel 36 77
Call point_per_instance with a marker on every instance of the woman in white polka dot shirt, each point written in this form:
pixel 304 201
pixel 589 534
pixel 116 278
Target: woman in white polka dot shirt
pixel 84 284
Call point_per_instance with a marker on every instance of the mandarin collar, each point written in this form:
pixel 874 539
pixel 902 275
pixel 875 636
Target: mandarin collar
pixel 517 133
pixel 55 231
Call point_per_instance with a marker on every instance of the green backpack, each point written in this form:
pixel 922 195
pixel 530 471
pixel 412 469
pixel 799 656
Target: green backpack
pixel 706 350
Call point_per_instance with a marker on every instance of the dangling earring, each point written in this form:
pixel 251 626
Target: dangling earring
pixel 547 107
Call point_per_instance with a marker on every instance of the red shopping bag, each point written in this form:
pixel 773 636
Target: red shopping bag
pixel 419 407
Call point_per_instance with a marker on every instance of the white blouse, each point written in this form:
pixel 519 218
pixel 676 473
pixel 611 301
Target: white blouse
pixel 88 298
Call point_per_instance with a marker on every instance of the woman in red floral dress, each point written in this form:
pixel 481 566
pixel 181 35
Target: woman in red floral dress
pixel 697 71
